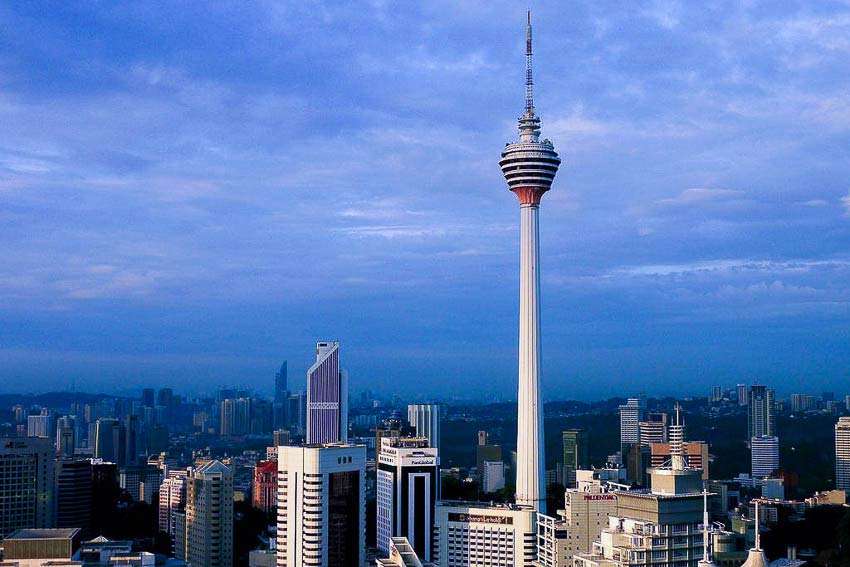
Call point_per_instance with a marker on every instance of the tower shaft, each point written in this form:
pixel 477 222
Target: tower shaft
pixel 530 483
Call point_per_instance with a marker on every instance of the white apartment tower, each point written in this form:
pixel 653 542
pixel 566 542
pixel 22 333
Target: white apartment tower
pixel 842 453
pixel 408 479
pixel 529 167
pixel 321 506
pixel 208 539
pixel 631 414
pixel 425 419
pixel 327 397
pixel 172 499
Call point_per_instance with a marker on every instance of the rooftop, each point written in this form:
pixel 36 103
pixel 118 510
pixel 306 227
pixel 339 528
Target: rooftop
pixel 39 533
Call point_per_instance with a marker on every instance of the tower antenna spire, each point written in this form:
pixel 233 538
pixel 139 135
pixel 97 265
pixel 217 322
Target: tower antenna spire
pixel 529 83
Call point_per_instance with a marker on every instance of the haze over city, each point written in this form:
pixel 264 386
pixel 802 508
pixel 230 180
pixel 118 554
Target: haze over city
pixel 191 194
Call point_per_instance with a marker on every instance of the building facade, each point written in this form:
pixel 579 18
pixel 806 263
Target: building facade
pixel 264 486
pixel 576 454
pixel 425 419
pixel 321 506
pixel 476 534
pixel 327 397
pixel 631 414
pixel 842 453
pixel 408 485
pixel 208 516
pixel 765 455
pixel 26 483
pixel 74 494
pixel 761 412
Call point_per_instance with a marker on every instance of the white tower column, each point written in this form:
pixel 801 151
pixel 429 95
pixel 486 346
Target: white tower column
pixel 530 484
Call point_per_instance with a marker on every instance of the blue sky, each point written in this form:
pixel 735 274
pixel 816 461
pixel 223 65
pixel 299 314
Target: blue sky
pixel 190 193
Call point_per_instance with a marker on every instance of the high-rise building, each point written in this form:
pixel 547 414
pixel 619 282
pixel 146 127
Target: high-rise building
pixel 803 403
pixel 65 436
pixel 40 425
pixel 762 412
pixel 425 419
pixel 408 485
pixel 321 506
pixel 842 453
pixel 281 390
pixel 665 521
pixel 26 483
pixel 74 494
pixel 654 428
pixel 172 499
pixel 716 394
pixel 264 486
pixel 133 442
pixel 765 455
pixel 109 443
pixel 297 413
pixel 576 527
pixel 467 534
pixel 148 397
pixel 327 397
pixel 236 416
pixel 492 476
pixel 208 537
pixel 529 167
pixel 743 395
pixel 631 414
pixel 576 454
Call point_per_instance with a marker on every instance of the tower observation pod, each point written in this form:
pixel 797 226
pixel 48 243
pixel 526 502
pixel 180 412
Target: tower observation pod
pixel 529 167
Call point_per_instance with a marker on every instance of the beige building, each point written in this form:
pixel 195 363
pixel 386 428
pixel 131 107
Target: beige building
pixel 575 528
pixel 204 531
pixel 470 534
pixel 696 454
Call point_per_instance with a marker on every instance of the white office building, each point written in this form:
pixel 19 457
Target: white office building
pixel 765 455
pixel 425 419
pixel 321 506
pixel 408 484
pixel 475 534
pixel 492 476
pixel 631 414
pixel 842 453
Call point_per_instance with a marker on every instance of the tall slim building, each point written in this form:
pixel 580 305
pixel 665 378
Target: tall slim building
pixel 26 483
pixel 425 419
pixel 281 391
pixel 172 499
pixel 236 416
pixel 408 484
pixel 631 414
pixel 842 453
pixel 654 428
pixel 327 397
pixel 264 486
pixel 529 167
pixel 321 506
pixel 208 538
pixel 65 436
pixel 762 412
pixel 74 493
pixel 743 395
pixel 576 454
pixel 765 455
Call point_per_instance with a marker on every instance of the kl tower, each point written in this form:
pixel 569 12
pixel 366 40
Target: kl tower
pixel 529 166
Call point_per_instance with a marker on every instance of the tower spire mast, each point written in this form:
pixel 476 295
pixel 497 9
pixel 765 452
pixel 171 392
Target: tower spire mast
pixel 529 166
pixel 529 82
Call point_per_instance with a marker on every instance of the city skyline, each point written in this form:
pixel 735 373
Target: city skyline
pixel 158 222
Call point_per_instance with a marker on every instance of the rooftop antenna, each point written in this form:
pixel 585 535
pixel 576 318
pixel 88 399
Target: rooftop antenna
pixel 529 99
pixel 758 535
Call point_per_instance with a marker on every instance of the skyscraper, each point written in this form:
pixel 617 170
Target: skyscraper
pixel 281 393
pixel 631 414
pixel 208 537
pixel 40 425
pixel 425 419
pixel 529 167
pixel 321 506
pixel 743 396
pixel 762 412
pixel 26 484
pixel 576 454
pixel 65 436
pixel 74 494
pixel 408 483
pixel 653 429
pixel 327 397
pixel 172 499
pixel 765 455
pixel 236 416
pixel 842 453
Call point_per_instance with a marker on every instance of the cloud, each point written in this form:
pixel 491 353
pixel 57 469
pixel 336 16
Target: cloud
pixel 695 197
pixel 846 201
